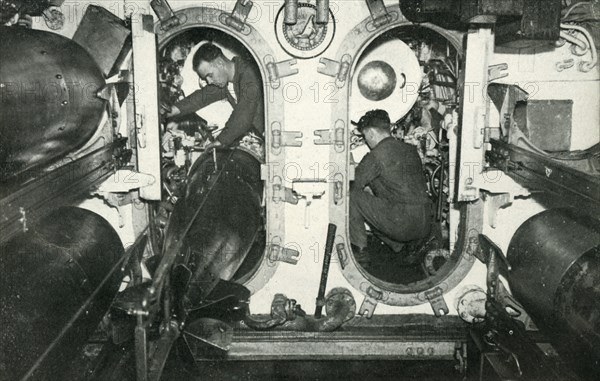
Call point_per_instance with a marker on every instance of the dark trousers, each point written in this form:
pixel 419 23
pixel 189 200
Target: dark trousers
pixel 393 221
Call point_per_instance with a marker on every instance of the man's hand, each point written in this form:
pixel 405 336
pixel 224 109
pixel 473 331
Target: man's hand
pixel 172 126
pixel 211 145
pixel 174 111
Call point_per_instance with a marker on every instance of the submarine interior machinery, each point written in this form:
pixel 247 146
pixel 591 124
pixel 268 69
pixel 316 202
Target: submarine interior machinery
pixel 127 246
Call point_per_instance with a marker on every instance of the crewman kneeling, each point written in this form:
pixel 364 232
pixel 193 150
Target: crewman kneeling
pixel 389 191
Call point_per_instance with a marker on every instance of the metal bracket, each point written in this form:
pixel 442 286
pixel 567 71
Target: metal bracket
pixel 497 71
pixel 284 138
pixel 490 133
pixel 564 65
pixel 495 260
pixel 370 302
pixel 282 193
pixel 460 354
pixel 338 70
pixel 436 299
pixel 352 171
pixel 147 115
pixel 163 9
pixel 505 98
pixel 480 120
pixel 379 13
pixel 473 249
pixel 123 76
pixel 309 188
pixel 342 253
pixel 105 92
pixel 283 254
pixel 335 137
pixel 278 70
pixel 118 200
pixel 237 19
pixel 474 110
pixel 338 188
pixel 141 130
pixel 325 137
pixel 493 203
pixel 168 19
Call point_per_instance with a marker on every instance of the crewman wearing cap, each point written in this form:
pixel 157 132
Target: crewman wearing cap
pixel 389 191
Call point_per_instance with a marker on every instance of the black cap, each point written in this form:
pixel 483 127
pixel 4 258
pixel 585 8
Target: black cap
pixel 374 118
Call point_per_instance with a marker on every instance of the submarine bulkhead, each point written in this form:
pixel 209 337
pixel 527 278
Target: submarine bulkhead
pixel 132 237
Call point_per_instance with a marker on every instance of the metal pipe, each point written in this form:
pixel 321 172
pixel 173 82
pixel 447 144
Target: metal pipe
pixel 440 203
pixel 574 40
pixel 338 312
pixel 324 273
pixel 282 310
pixel 286 315
pixel 290 12
pixel 322 12
pixel 141 349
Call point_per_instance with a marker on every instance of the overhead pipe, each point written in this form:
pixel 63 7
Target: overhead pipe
pixel 322 11
pixel 290 12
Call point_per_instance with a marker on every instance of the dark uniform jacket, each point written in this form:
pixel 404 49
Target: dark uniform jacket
pixel 248 110
pixel 394 172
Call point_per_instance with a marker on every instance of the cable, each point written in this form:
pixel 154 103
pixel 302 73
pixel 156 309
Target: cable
pixel 585 66
pixel 572 7
pixel 574 40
